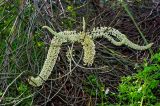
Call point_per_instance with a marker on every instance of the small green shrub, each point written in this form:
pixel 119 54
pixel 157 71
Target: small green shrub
pixel 140 88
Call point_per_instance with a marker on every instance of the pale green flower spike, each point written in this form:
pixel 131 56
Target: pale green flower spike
pixel 89 50
pixel 87 41
pixel 48 64
pixel 88 46
pixel 108 32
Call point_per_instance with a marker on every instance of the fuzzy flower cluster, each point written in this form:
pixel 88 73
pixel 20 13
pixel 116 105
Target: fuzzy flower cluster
pixel 89 50
pixel 111 33
pixel 87 41
pixel 48 64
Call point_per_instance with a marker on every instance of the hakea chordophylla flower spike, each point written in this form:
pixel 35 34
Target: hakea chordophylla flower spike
pixel 89 50
pixel 81 37
pixel 48 64
pixel 87 40
pixel 108 32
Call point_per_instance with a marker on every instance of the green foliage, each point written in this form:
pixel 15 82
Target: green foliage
pixel 24 90
pixel 36 40
pixel 70 20
pixel 73 12
pixel 13 38
pixel 6 20
pixel 94 88
pixel 21 96
pixel 7 15
pixel 140 88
